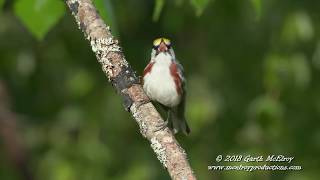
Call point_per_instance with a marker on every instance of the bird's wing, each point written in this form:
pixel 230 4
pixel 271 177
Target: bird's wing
pixel 181 107
pixel 177 74
pixel 148 68
pixel 181 73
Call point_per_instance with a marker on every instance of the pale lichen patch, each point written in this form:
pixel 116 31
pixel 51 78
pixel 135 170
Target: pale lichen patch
pixel 124 63
pixel 102 47
pixel 143 128
pixel 160 151
pixel 142 125
pixel 74 1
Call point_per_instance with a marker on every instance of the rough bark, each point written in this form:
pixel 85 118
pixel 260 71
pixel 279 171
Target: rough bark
pixel 125 81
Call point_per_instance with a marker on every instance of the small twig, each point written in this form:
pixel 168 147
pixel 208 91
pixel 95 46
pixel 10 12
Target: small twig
pixel 125 81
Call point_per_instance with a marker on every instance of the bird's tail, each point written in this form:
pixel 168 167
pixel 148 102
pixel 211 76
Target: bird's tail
pixel 178 122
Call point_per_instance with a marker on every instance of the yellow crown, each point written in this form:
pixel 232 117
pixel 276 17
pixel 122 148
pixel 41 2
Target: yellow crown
pixel 159 40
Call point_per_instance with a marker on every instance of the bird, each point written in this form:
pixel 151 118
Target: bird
pixel 164 82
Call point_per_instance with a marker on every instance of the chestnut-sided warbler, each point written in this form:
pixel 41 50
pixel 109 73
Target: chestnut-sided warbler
pixel 163 81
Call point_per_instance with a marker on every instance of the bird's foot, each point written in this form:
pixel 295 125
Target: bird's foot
pixel 161 126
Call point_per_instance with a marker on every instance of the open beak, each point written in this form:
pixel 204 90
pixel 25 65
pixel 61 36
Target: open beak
pixel 162 47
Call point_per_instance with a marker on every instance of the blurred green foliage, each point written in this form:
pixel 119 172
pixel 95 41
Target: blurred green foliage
pixel 159 4
pixel 253 71
pixel 257 7
pixel 1 3
pixel 39 16
pixel 199 5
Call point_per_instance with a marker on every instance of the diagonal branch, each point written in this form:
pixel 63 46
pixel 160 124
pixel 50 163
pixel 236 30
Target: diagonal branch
pixel 125 81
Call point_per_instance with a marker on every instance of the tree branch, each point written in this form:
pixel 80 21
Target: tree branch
pixel 125 81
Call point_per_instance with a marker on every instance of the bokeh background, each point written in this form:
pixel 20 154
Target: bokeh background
pixel 253 73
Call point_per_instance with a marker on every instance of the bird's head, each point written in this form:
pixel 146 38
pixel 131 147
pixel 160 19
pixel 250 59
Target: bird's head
pixel 162 45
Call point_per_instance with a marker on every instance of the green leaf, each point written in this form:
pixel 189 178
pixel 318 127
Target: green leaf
pixel 157 9
pixel 106 12
pixel 199 5
pixel 39 16
pixel 257 5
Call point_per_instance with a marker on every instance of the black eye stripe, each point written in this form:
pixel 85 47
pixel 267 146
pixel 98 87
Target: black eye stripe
pixel 156 47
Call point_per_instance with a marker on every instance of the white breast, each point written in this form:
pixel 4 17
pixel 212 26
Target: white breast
pixel 159 84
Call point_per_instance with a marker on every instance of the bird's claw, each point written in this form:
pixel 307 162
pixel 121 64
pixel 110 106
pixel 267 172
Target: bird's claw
pixel 161 126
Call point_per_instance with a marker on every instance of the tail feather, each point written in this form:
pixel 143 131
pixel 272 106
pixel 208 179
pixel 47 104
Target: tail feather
pixel 179 122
